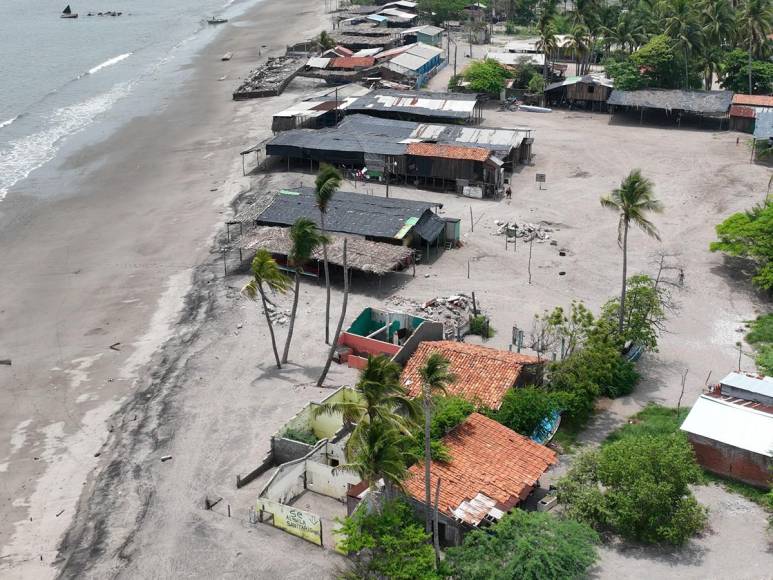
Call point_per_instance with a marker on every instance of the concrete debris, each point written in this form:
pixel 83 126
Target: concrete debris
pixel 527 231
pixel 166 458
pixel 453 311
pixel 270 79
pixel 278 316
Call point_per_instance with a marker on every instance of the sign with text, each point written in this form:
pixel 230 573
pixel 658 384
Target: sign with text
pixel 303 524
pixel 541 178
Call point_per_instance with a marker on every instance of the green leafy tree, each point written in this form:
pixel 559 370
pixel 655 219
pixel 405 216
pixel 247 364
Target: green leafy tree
pixel 632 201
pixel 387 544
pixel 448 412
pixel 645 311
pixel 523 408
pixel 626 74
pixel 761 337
pixel 527 546
pixel 435 376
pixel 486 76
pixel 326 184
pixel 536 85
pixel 749 235
pixel 734 68
pixel 266 274
pixel 638 487
pixel 325 40
pixel 306 238
pixel 659 64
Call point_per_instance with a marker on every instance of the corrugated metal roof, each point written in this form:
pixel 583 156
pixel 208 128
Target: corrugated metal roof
pixel 367 52
pixel 707 102
pixel 395 13
pixel 419 103
pixel 318 62
pixel 425 50
pixel 731 424
pixel 378 17
pixel 741 111
pixel 351 213
pixel 763 126
pixel 431 30
pixel 407 61
pixel 587 79
pixel 448 151
pixel 516 58
pixel 751 384
pixel 753 100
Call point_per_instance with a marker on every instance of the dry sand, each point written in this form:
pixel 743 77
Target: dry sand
pixel 211 397
pixel 110 262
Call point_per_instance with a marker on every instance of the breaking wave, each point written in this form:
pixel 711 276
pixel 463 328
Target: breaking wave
pixel 109 62
pixel 26 154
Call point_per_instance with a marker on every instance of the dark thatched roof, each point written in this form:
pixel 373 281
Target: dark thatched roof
pixel 373 257
pixel 705 102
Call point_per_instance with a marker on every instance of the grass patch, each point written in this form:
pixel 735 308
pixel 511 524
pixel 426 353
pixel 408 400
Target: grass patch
pixel 657 420
pixel 303 436
pixel 566 437
pixel 481 326
pixel 652 420
pixel 758 496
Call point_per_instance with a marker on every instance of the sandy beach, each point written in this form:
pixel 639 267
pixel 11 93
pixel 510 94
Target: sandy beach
pixel 129 259
pixel 109 263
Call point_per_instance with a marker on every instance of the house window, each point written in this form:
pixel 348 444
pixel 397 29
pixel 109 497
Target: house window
pixel 591 88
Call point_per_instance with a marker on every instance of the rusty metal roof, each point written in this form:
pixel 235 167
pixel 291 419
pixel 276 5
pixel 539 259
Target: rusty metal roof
pixel 448 151
pixel 353 62
pixel 753 100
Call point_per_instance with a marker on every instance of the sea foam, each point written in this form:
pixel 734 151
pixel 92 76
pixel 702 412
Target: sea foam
pixel 110 62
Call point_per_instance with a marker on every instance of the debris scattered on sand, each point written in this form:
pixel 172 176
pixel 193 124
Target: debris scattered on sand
pixel 60 513
pixel 277 315
pixel 5 361
pixel 271 78
pixel 527 230
pixel 453 311
pixel 166 457
pixel 115 346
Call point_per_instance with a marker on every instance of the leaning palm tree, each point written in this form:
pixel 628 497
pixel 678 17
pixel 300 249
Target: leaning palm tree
pixel 632 201
pixel 306 238
pixel 327 183
pixel 754 26
pixel 435 376
pixel 266 272
pixel 377 396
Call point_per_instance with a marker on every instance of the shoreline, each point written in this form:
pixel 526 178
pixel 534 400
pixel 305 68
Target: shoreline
pixel 135 237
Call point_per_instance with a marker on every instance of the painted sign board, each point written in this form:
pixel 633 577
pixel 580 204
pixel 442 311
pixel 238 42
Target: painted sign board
pixel 300 523
pixel 541 178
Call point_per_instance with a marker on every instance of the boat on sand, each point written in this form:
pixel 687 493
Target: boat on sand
pixel 214 20
pixel 68 13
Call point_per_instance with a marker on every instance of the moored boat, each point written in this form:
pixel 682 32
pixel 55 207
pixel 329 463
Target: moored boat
pixel 214 20
pixel 68 13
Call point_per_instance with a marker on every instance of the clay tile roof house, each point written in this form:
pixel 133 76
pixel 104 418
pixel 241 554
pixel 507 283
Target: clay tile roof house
pixel 483 374
pixel 492 470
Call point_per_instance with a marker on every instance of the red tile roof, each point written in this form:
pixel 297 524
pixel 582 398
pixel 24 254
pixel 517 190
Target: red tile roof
pixel 483 375
pixel 353 62
pixel 343 51
pixel 741 111
pixel 486 458
pixel 448 151
pixel 753 100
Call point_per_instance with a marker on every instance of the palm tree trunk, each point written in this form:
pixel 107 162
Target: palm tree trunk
pixel 327 280
pixel 292 316
pixel 625 274
pixel 340 323
pixel 270 325
pixel 750 65
pixel 427 459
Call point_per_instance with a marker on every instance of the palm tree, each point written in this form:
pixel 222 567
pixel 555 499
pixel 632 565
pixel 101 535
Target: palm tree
pixel 306 238
pixel 628 33
pixel 377 396
pixel 341 318
pixel 377 454
pixel 546 43
pixel 327 183
pixel 717 26
pixel 755 24
pixel 579 43
pixel 435 376
pixel 265 271
pixel 681 25
pixel 632 201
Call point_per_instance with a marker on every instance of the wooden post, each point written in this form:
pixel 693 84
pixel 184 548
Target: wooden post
pixel 531 243
pixel 468 268
pixel 474 305
pixel 472 223
pixel 435 524
pixel 225 266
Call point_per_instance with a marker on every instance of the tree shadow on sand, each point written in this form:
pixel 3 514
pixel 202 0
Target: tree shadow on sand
pixel 737 274
pixel 690 555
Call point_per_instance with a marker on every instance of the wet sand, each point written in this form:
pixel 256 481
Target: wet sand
pixel 108 263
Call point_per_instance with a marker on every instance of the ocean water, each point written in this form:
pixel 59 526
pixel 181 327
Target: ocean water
pixel 59 77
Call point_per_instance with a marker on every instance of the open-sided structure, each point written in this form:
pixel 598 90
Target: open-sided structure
pixel 445 155
pixel 714 104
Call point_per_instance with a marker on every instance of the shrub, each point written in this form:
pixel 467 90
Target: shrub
pixel 511 28
pixel 536 84
pixel 761 337
pixel 486 76
pixel 481 326
pixel 387 544
pixel 523 408
pixel 637 487
pixel 527 546
pixel 447 413
pixel 645 311
pixel 301 435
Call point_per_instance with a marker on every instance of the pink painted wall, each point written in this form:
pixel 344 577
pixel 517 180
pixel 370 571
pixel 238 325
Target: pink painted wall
pixel 361 345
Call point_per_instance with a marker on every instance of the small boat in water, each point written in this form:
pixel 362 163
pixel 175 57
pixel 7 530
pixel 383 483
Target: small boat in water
pixel 68 13
pixel 214 20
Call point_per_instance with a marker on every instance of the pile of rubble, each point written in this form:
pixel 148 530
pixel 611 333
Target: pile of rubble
pixel 528 231
pixel 270 79
pixel 276 314
pixel 453 311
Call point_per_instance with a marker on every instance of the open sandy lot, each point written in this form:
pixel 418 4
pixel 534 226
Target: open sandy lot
pixel 211 398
